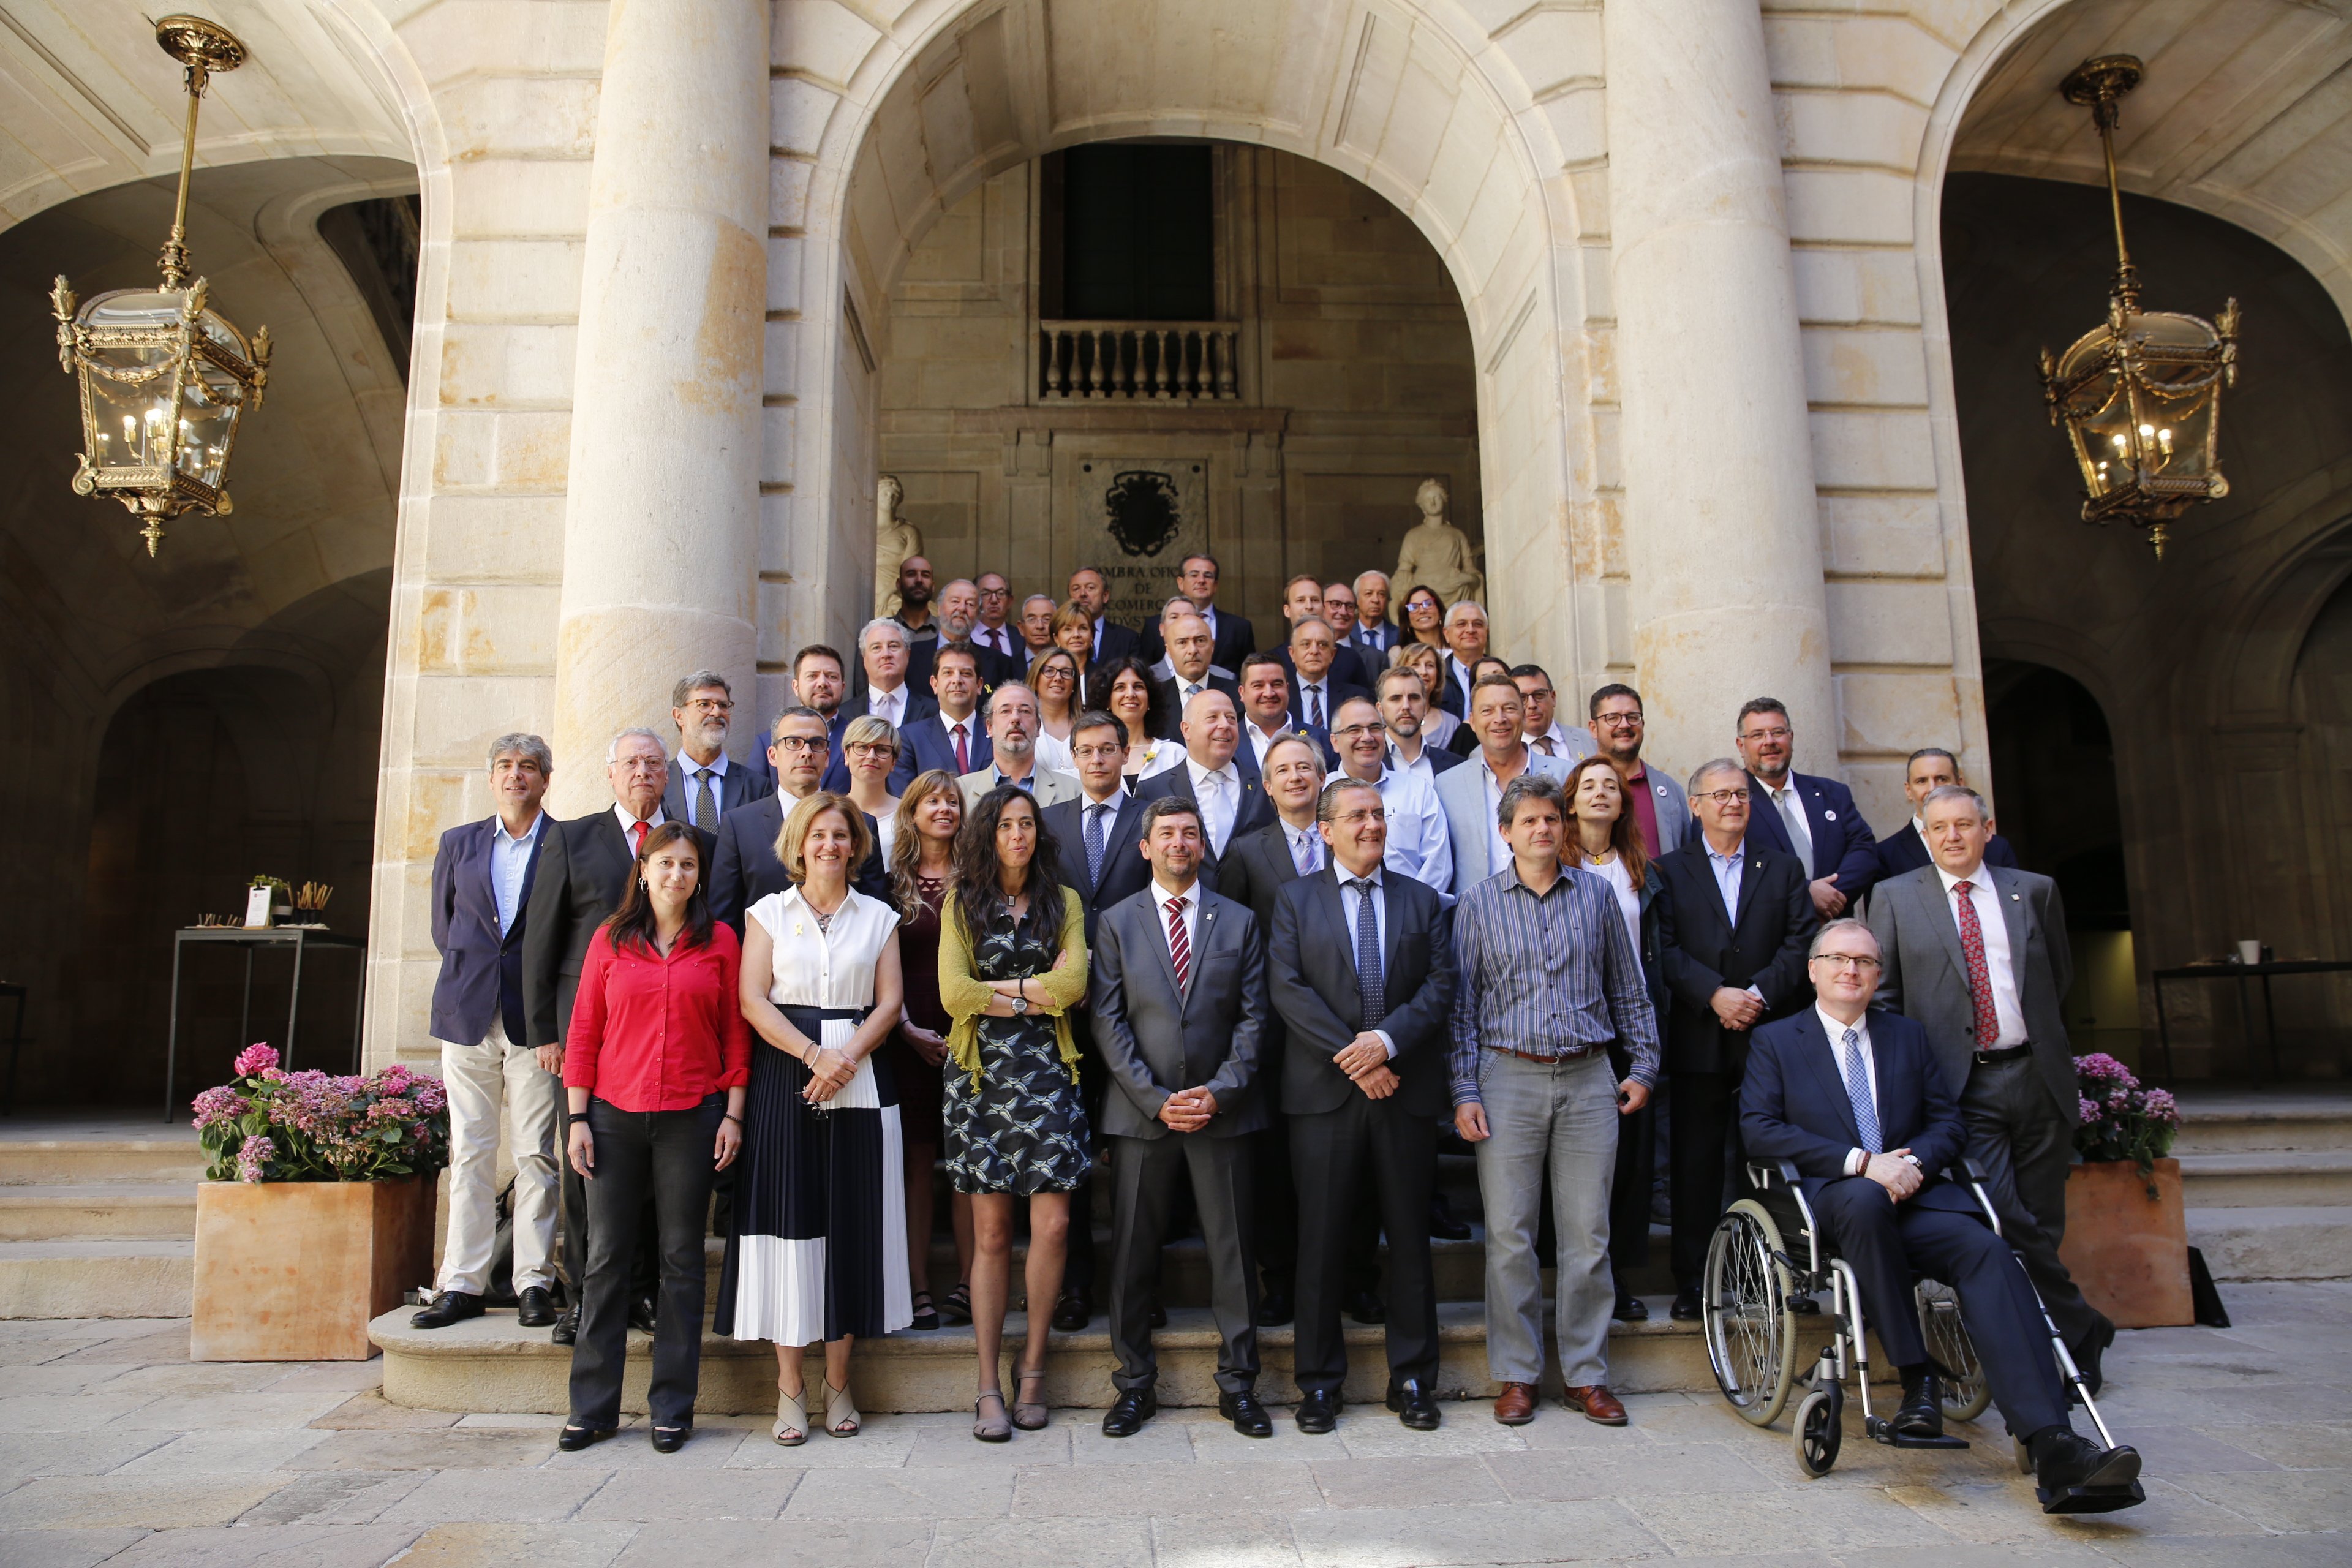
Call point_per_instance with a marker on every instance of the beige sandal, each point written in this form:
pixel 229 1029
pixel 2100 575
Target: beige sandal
pixel 840 1413
pixel 991 1428
pixel 1030 1415
pixel 791 1416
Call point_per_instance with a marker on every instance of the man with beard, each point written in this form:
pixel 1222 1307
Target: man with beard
pixel 705 784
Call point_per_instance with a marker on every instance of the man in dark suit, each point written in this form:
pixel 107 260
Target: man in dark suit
pixel 1930 768
pixel 995 635
pixel 1978 955
pixel 1465 644
pixel 1232 636
pixel 744 868
pixel 1179 1001
pixel 1361 971
pixel 1215 774
pixel 1732 942
pixel 1266 713
pixel 1189 642
pixel 953 738
pixel 482 877
pixel 889 693
pixel 1856 1102
pixel 1804 815
pixel 1320 673
pixel 705 784
pixel 1373 634
pixel 1090 591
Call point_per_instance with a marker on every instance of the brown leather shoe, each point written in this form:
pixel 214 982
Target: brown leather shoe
pixel 1515 1406
pixel 1597 1403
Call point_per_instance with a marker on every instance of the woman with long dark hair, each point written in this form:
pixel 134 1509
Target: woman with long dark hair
pixel 654 1068
pixel 1012 962
pixel 1422 615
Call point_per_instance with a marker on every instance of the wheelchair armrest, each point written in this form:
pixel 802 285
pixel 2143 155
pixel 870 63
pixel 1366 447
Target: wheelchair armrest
pixel 1967 1174
pixel 1759 1174
pixel 1974 1172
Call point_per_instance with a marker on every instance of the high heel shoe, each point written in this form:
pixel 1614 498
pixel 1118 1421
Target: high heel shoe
pixel 792 1428
pixel 991 1428
pixel 1030 1415
pixel 841 1417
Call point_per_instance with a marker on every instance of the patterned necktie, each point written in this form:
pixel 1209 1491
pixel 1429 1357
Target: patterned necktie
pixel 963 757
pixel 1544 743
pixel 1857 1091
pixel 1972 948
pixel 1303 851
pixel 706 809
pixel 1315 706
pixel 1095 844
pixel 1180 945
pixel 1371 986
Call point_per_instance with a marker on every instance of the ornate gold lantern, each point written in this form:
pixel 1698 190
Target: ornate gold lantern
pixel 164 380
pixel 2140 396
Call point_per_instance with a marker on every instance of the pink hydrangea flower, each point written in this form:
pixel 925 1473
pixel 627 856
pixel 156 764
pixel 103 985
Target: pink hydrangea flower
pixel 218 1107
pixel 2087 1108
pixel 252 1156
pixel 255 1060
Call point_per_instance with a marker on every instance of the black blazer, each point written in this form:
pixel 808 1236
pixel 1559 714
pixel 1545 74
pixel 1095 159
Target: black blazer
pixel 1310 971
pixel 1171 708
pixel 1701 949
pixel 1114 642
pixel 1236 639
pixel 925 744
pixel 1125 870
pixel 739 785
pixel 1156 1039
pixel 1439 758
pixel 1335 691
pixel 584 871
pixel 1904 850
pixel 744 868
pixel 1256 866
pixel 1255 811
pixel 1348 668
pixel 1793 1105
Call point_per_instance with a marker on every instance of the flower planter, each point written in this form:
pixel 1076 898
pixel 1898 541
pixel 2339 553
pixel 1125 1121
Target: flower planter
pixel 2127 1251
pixel 293 1271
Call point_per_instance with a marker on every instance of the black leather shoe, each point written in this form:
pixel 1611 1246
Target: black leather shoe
pixel 1073 1311
pixel 1631 1309
pixel 1366 1308
pixel 670 1439
pixel 1443 1223
pixel 1686 1307
pixel 2071 1459
pixel 1158 1318
pixel 447 1308
pixel 567 1327
pixel 1921 1413
pixel 571 1439
pixel 536 1309
pixel 1130 1411
pixel 1414 1403
pixel 1275 1308
pixel 1248 1416
pixel 1319 1412
pixel 2088 1353
pixel 641 1314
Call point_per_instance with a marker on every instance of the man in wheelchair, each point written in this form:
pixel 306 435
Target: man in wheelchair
pixel 1853 1100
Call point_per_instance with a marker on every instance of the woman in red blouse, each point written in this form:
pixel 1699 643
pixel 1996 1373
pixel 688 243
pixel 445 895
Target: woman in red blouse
pixel 655 1067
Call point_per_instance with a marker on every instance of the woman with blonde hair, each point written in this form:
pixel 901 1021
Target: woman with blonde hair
pixel 818 1242
pixel 1058 677
pixel 869 749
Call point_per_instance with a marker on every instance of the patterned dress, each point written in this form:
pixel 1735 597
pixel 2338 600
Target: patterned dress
pixel 1022 1129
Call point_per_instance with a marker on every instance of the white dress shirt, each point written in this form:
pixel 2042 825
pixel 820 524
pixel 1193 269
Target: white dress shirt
pixel 997 638
pixel 1259 741
pixel 1218 793
pixel 889 706
pixel 621 814
pixel 1315 701
pixel 1569 746
pixel 2000 964
pixel 1621 882
pixel 1191 917
pixel 1859 1158
pixel 1419 846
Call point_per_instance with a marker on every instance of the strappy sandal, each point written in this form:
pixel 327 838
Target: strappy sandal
pixel 791 1416
pixel 927 1317
pixel 957 1309
pixel 990 1429
pixel 1030 1415
pixel 840 1412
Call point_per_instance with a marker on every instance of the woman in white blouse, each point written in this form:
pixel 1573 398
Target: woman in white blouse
pixel 818 1243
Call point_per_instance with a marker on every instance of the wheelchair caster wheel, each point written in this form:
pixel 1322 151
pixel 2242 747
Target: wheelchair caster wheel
pixel 1819 1429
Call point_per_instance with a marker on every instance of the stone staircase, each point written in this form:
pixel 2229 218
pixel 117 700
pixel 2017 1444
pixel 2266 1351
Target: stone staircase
pixel 98 1216
pixel 2267 1182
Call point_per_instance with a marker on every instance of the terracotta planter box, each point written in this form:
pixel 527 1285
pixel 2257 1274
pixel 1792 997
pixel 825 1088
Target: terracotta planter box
pixel 2127 1251
pixel 293 1271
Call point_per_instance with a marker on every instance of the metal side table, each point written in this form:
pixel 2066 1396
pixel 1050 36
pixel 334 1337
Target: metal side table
pixel 301 939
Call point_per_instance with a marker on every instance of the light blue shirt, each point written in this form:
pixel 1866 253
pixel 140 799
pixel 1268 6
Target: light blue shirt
pixel 1727 870
pixel 510 859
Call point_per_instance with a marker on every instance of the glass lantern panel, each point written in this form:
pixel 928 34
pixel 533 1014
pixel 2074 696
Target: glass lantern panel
pixel 132 417
pixel 209 406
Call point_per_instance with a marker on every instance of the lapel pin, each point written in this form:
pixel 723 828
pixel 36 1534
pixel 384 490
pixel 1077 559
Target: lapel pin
pixel 1829 817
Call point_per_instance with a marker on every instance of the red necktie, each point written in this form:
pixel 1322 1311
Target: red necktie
pixel 638 831
pixel 1180 946
pixel 1964 909
pixel 963 759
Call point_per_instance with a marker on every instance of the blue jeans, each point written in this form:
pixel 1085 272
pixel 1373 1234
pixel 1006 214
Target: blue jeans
pixel 1563 1114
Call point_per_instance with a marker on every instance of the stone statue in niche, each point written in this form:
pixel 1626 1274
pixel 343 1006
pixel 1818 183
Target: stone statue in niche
pixel 1438 555
pixel 895 539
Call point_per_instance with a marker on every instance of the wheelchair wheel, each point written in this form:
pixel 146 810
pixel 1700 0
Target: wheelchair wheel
pixel 1819 1428
pixel 1966 1394
pixel 1750 1329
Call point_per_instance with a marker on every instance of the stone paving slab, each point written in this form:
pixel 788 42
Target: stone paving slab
pixel 115 1449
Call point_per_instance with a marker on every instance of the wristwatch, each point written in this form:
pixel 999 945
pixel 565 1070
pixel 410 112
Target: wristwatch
pixel 1019 1006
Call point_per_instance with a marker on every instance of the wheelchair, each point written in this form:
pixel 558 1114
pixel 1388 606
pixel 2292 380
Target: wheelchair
pixel 1757 1289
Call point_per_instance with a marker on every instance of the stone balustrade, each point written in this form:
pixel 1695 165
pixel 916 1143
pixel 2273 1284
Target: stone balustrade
pixel 1187 362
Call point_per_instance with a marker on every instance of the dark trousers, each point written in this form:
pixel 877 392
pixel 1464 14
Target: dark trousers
pixel 2026 1150
pixel 1145 1174
pixel 645 1276
pixel 1628 1198
pixel 1078 1265
pixel 1274 1213
pixel 1366 1149
pixel 1705 1151
pixel 1887 1245
pixel 664 1155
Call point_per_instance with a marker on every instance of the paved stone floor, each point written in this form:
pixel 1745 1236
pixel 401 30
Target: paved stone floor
pixel 114 1448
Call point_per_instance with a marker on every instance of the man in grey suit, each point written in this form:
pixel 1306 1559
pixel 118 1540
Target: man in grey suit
pixel 1977 954
pixel 1180 1003
pixel 1660 807
pixel 1471 794
pixel 1012 742
pixel 705 784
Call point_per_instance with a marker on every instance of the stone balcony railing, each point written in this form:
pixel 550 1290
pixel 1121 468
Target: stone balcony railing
pixel 1190 362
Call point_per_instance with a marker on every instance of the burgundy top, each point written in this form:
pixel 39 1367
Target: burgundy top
pixel 650 1033
pixel 1645 810
pixel 919 949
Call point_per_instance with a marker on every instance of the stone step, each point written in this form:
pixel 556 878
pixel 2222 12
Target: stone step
pixel 51 1212
pixel 2218 1122
pixel 2298 1241
pixel 100 1278
pixel 28 1161
pixel 2258 1178
pixel 490 1365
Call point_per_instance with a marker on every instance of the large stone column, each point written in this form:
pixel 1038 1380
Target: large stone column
pixel 1721 532
pixel 661 514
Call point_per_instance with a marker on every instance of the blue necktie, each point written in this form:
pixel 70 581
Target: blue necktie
pixel 1857 1091
pixel 1372 988
pixel 1095 844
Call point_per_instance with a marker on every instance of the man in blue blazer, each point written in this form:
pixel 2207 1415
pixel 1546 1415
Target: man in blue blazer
pixel 705 784
pixel 1930 768
pixel 932 741
pixel 482 877
pixel 1804 815
pixel 1853 1100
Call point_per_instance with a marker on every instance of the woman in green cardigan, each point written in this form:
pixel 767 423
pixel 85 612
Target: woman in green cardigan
pixel 1012 962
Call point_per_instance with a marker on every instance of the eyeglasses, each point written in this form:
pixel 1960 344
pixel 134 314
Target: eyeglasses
pixel 1781 732
pixel 1352 819
pixel 711 704
pixel 1723 796
pixel 1618 720
pixel 1855 961
pixel 1094 754
pixel 869 749
pixel 1350 731
pixel 800 742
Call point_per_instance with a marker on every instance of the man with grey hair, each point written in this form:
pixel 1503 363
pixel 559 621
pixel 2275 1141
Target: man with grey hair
pixel 482 876
pixel 1373 631
pixel 1465 643
pixel 705 784
pixel 1977 954
pixel 1036 627
pixel 887 691
pixel 1012 718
